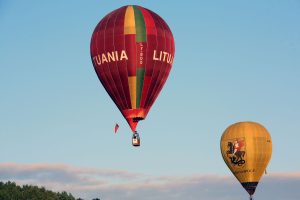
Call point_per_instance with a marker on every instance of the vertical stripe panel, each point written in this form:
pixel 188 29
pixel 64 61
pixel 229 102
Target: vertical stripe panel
pixel 119 46
pixel 140 46
pixel 113 57
pixel 101 69
pixel 150 46
pixel 139 85
pixel 130 46
pixel 108 65
pixel 166 65
pixel 160 65
pixel 96 48
pixel 149 23
pixel 132 89
pixel 139 25
pixel 129 24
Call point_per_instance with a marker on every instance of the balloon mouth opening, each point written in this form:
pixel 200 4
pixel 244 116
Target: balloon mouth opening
pixel 136 114
pixel 137 119
pixel 250 187
pixel 133 116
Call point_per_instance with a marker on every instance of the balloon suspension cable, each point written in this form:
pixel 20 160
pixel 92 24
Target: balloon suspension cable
pixel 251 197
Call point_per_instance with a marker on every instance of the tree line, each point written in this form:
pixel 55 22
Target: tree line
pixel 12 191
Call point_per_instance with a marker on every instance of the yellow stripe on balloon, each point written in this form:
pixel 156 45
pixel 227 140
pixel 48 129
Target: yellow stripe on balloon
pixel 129 22
pixel 132 90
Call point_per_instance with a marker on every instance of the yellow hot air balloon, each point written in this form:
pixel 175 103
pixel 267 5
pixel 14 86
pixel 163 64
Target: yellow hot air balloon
pixel 246 148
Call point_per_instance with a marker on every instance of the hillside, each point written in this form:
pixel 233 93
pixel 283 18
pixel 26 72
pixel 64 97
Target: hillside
pixel 12 191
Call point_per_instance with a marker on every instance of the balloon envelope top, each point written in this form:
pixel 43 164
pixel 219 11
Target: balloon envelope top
pixel 132 50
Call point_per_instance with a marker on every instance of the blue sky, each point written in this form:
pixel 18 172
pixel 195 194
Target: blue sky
pixel 234 61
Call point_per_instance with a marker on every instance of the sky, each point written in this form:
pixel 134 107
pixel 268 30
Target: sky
pixel 234 61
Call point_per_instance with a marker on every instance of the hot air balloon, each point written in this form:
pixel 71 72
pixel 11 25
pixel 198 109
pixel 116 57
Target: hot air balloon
pixel 132 50
pixel 246 148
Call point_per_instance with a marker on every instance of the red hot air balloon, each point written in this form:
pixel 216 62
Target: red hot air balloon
pixel 132 50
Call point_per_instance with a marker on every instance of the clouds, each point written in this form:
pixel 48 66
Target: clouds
pixel 118 184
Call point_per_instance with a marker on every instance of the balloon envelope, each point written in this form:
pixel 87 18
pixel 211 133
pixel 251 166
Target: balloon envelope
pixel 246 148
pixel 132 50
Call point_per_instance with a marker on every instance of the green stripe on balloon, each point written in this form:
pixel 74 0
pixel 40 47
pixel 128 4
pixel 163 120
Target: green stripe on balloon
pixel 139 25
pixel 141 36
pixel 139 87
